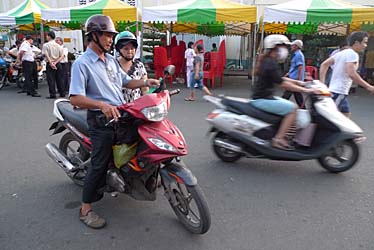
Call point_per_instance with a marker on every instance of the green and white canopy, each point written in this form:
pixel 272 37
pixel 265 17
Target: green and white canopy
pixel 116 9
pixel 307 16
pixel 26 13
pixel 210 17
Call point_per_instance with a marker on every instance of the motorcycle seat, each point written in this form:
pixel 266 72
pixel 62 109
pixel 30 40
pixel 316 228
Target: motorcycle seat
pixel 77 117
pixel 244 107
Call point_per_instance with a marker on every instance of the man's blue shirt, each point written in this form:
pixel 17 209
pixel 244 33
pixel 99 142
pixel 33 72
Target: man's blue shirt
pixel 297 60
pixel 98 80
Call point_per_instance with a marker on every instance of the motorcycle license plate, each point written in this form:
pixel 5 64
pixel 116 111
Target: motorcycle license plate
pixel 15 72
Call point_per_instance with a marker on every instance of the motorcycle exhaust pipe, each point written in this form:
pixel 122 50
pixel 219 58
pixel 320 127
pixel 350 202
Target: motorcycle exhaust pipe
pixel 227 145
pixel 59 157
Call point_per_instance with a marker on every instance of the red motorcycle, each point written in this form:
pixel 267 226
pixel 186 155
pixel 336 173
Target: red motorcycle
pixel 158 146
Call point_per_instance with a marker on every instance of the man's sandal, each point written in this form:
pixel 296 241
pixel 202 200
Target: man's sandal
pixel 189 99
pixel 92 220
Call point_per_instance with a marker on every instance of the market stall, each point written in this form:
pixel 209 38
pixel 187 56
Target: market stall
pixel 28 12
pixel 207 17
pixel 315 16
pixel 116 9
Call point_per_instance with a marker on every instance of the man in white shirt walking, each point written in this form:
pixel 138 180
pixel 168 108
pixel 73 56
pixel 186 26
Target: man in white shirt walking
pixel 345 71
pixel 189 55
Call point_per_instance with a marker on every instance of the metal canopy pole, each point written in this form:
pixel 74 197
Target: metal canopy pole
pixel 41 33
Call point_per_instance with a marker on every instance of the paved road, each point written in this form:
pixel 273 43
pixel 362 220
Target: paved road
pixel 255 204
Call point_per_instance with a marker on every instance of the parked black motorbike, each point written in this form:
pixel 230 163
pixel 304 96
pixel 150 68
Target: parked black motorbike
pixel 12 73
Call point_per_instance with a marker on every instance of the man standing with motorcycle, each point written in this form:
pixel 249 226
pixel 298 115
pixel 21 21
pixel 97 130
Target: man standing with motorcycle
pixel 26 56
pixel 345 71
pixel 96 85
pixel 14 51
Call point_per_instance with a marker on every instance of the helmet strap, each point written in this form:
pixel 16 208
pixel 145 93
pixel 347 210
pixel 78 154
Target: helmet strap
pixel 120 53
pixel 95 39
pixel 128 59
pixel 124 58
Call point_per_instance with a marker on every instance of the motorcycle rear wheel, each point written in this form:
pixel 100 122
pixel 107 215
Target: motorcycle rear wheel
pixel 224 154
pixel 76 154
pixel 20 81
pixel 2 80
pixel 191 207
pixel 341 157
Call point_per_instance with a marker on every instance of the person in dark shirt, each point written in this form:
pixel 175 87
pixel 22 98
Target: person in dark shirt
pixel 269 76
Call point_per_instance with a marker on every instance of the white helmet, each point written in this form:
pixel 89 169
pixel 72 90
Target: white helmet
pixel 273 40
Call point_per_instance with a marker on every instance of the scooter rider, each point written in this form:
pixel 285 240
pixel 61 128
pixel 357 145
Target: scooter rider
pixel 96 85
pixel 269 75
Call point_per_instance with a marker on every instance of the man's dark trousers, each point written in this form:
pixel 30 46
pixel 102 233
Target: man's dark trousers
pixel 65 76
pixel 31 76
pixel 102 138
pixel 298 97
pixel 54 77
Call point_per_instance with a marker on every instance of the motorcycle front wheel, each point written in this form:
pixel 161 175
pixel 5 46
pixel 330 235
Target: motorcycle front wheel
pixel 340 157
pixel 190 206
pixel 76 154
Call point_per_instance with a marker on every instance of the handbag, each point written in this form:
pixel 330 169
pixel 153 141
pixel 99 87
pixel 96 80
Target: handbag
pixel 303 118
pixel 305 128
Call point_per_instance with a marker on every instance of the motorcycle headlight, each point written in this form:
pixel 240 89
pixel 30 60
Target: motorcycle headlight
pixel 162 145
pixel 156 113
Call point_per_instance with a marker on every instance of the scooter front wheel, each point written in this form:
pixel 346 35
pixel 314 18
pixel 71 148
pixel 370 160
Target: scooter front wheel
pixel 224 154
pixel 341 157
pixel 190 206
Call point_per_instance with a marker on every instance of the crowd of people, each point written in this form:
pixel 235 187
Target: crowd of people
pixel 25 54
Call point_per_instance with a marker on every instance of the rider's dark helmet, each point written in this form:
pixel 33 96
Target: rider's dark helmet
pixel 100 23
pixel 124 38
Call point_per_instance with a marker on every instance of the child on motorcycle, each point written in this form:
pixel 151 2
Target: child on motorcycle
pixel 269 75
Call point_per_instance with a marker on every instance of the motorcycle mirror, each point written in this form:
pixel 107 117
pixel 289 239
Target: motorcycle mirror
pixel 169 70
pixel 160 88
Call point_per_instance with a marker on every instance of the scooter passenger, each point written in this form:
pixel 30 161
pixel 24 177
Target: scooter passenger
pixel 269 75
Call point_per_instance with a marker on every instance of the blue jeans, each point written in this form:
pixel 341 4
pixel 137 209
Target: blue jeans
pixel 341 102
pixel 199 82
pixel 277 106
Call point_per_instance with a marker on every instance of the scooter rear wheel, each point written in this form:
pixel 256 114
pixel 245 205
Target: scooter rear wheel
pixel 224 154
pixel 76 154
pixel 191 207
pixel 341 157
